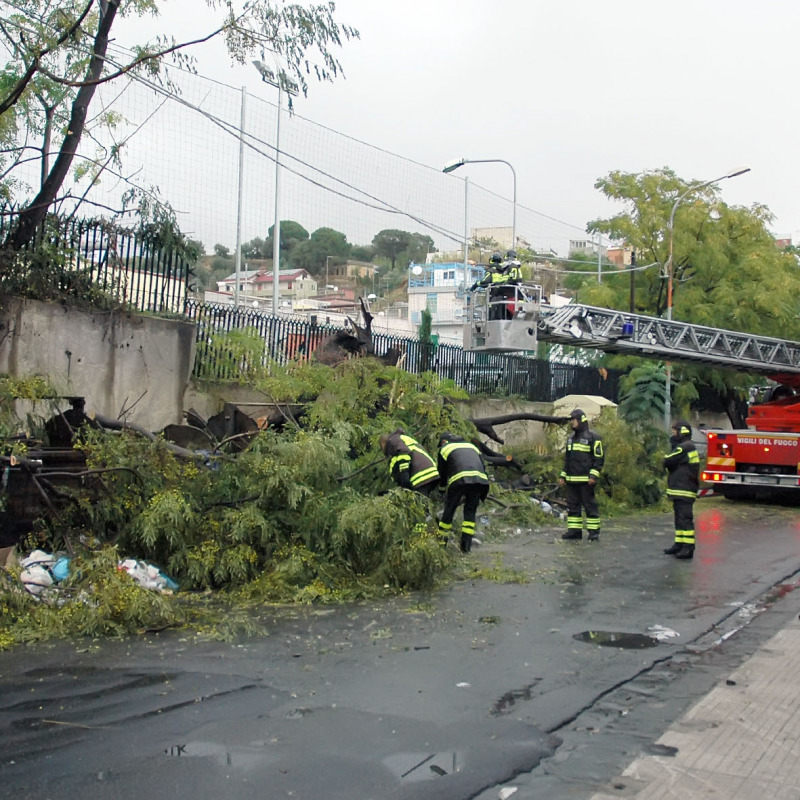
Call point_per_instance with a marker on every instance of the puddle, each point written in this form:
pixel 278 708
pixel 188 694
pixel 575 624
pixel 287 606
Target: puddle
pixel 625 641
pixel 412 767
pixel 242 757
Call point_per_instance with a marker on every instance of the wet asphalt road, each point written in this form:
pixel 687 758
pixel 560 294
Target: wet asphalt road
pixel 449 695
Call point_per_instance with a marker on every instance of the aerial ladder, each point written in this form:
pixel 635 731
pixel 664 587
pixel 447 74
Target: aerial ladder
pixel 761 459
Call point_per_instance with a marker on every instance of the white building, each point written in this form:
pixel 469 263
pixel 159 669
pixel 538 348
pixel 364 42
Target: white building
pixel 442 289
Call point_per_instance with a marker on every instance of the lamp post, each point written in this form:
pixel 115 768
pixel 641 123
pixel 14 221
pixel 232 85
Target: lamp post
pixel 670 271
pixel 459 162
pixel 282 83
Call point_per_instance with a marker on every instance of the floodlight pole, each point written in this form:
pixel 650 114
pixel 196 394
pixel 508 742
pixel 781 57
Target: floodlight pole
pixel 281 83
pixel 454 165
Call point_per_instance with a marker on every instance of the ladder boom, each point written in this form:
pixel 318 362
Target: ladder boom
pixel 637 334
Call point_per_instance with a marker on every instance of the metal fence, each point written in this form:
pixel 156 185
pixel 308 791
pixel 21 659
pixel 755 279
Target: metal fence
pixel 68 253
pixel 294 338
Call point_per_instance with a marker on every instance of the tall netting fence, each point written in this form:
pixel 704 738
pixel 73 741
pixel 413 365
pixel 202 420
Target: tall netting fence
pixel 185 147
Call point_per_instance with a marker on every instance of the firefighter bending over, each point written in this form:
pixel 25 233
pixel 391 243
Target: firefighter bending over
pixel 462 472
pixel 410 466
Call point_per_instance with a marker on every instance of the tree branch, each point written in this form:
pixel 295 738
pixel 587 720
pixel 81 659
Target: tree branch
pixel 135 63
pixel 35 65
pixel 34 213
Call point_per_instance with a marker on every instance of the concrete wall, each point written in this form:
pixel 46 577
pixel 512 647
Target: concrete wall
pixel 118 361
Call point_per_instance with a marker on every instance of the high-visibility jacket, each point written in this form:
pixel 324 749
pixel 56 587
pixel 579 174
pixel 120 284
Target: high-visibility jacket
pixel 584 456
pixel 461 462
pixel 683 466
pixel 409 464
pixel 491 277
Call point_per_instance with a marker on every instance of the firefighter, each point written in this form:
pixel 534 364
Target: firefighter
pixel 503 288
pixel 583 461
pixel 513 268
pixel 492 273
pixel 683 481
pixel 410 466
pixel 495 280
pixel 462 474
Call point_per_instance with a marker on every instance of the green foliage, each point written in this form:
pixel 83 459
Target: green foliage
pixel 32 388
pixel 633 476
pixel 643 394
pixel 312 253
pixel 97 599
pixel 727 271
pixel 237 356
pixel 394 245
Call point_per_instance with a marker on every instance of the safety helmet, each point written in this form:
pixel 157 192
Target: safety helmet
pixel 682 428
pixel 448 437
pixel 496 258
pixel 578 415
pixel 511 254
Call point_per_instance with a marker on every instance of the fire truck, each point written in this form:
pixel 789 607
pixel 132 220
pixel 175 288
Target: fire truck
pixel 761 460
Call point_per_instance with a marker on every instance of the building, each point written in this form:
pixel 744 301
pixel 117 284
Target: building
pixel 255 287
pixel 620 256
pixel 442 289
pixel 586 247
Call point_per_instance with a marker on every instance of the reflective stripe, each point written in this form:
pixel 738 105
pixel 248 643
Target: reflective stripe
pixel 467 473
pixel 684 493
pixel 684 537
pixel 425 475
pixel 580 448
pixel 398 459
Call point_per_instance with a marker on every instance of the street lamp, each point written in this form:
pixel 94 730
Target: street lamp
pixel 283 83
pixel 670 270
pixel 451 166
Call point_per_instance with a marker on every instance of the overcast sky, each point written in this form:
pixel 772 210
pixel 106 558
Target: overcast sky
pixel 565 91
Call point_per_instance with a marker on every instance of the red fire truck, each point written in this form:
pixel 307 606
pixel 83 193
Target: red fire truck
pixel 760 460
pixel 764 459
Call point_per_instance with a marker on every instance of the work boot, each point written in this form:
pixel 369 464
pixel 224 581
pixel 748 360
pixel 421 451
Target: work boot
pixel 572 535
pixel 594 536
pixel 674 550
pixel 466 543
pixel 686 552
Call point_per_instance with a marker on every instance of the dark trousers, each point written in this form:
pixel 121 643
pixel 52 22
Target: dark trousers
pixel 471 494
pixel 580 498
pixel 499 297
pixel 683 508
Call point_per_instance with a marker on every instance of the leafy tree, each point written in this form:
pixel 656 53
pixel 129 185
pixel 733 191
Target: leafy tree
pixel 56 56
pixel 394 244
pixel 419 246
pixel 390 243
pixel 361 252
pixel 292 234
pixel 727 270
pixel 221 251
pixel 256 248
pixel 312 254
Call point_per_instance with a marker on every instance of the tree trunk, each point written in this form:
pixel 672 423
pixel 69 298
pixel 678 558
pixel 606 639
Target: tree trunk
pixel 486 424
pixel 31 216
pixel 736 408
